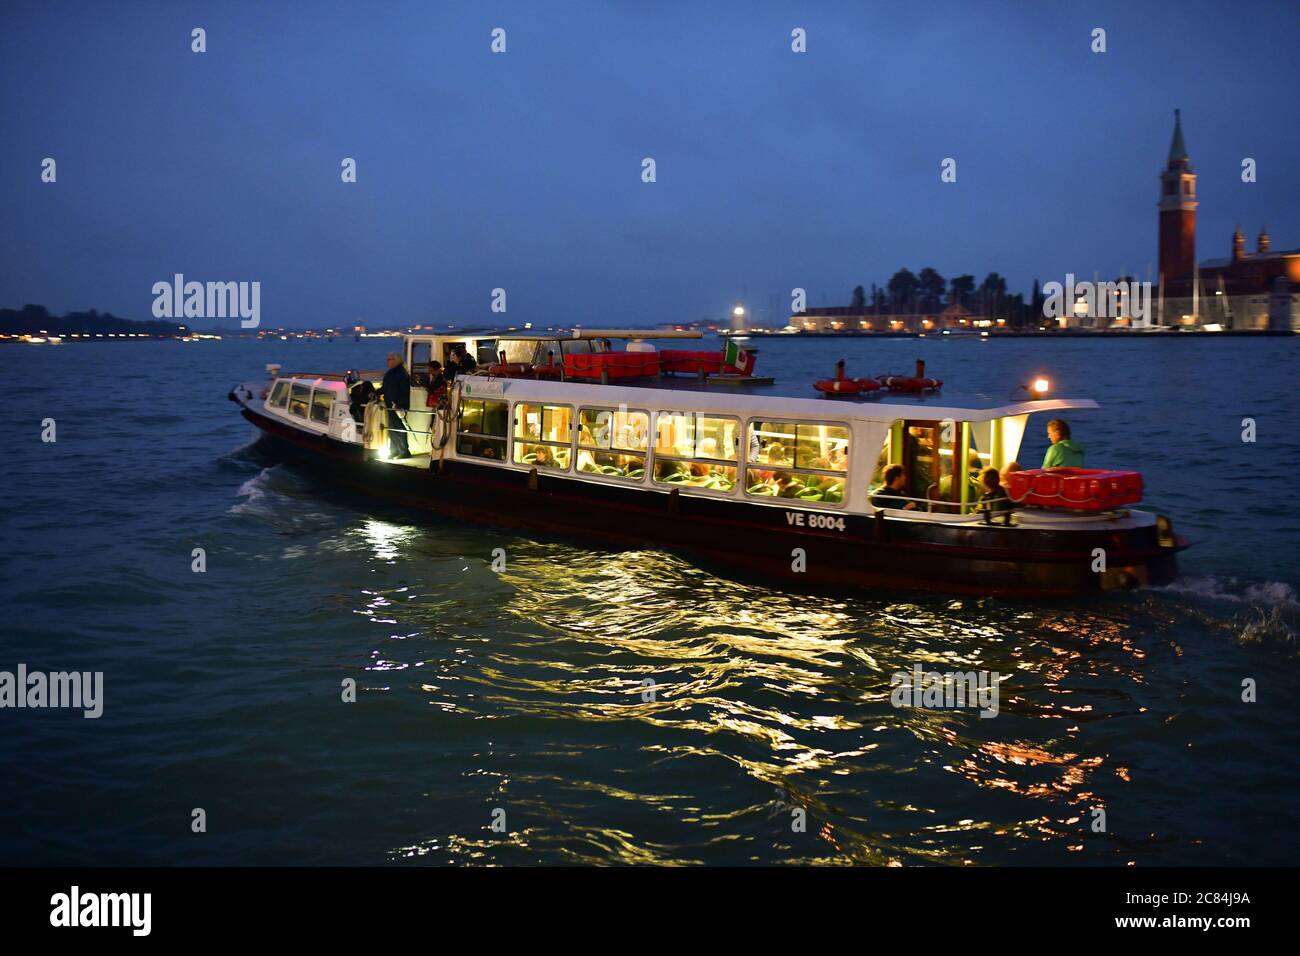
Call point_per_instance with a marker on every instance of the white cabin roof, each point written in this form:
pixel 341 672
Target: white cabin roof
pixel 685 399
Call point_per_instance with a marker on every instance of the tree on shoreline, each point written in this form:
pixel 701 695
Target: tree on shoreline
pixel 37 320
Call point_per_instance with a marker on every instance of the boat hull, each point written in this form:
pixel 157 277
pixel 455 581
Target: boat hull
pixel 849 552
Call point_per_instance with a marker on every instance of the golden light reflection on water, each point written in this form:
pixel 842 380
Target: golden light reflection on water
pixel 714 709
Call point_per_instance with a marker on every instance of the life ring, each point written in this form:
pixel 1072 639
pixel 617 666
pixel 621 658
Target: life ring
pixel 846 386
pixel 911 383
pixel 900 383
pixel 839 385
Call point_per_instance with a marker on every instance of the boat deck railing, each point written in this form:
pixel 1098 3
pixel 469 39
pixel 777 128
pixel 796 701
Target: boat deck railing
pixel 953 509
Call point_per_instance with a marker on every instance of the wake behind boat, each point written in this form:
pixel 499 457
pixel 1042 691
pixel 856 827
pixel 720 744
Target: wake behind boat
pixel 575 437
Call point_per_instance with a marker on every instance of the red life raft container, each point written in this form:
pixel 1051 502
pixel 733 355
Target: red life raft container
pixel 691 363
pixel 611 365
pixel 914 383
pixel 839 385
pixel 504 369
pixel 1078 489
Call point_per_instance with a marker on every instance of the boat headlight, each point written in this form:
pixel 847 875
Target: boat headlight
pixel 1165 532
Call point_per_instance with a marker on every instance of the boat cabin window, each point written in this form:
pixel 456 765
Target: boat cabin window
pixel 613 442
pixel 543 434
pixel 418 368
pixel 697 451
pixel 279 395
pixel 518 351
pixel 797 460
pixel 481 429
pixel 322 400
pixel 299 399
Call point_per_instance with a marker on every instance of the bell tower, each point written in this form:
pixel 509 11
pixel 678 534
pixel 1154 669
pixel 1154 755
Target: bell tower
pixel 1177 211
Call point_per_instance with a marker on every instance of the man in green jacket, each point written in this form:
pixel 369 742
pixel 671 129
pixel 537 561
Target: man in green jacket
pixel 1063 452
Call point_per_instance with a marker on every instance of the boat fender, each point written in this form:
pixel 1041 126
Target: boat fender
pixel 675 501
pixel 532 479
pixel 880 530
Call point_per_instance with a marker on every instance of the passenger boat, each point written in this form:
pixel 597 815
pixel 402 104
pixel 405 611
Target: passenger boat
pixel 778 487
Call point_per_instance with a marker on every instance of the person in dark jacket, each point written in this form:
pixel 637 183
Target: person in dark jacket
pixel 995 501
pixel 461 362
pixel 396 393
pixel 893 493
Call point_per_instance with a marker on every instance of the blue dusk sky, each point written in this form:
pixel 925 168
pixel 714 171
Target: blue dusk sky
pixel 522 170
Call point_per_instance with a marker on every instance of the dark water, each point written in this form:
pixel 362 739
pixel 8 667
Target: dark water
pixel 522 691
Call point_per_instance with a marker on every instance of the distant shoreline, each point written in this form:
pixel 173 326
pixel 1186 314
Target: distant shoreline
pixel 752 337
pixel 1106 334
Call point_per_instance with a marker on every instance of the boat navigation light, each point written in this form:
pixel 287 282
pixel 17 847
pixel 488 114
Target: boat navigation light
pixel 1041 386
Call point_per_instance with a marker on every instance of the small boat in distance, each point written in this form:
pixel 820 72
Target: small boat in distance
pixel 574 436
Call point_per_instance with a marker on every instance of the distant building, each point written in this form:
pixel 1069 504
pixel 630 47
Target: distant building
pixel 1259 290
pixel 850 319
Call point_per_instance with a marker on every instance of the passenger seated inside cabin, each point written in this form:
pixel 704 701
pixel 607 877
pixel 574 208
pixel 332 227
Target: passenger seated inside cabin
pixel 994 501
pixel 1011 466
pixel 778 455
pixel 805 487
pixel 615 466
pixel 542 456
pixel 696 474
pixel 836 460
pixel 1064 451
pixel 893 494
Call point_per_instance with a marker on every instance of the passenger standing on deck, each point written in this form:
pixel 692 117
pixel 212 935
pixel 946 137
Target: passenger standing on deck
pixel 396 393
pixel 461 361
pixel 437 385
pixel 1064 452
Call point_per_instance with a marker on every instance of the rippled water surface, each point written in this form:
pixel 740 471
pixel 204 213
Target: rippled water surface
pixel 525 692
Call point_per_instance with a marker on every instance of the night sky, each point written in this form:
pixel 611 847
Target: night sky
pixel 522 170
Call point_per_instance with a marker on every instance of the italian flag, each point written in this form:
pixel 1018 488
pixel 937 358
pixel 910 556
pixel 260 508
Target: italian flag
pixel 740 358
